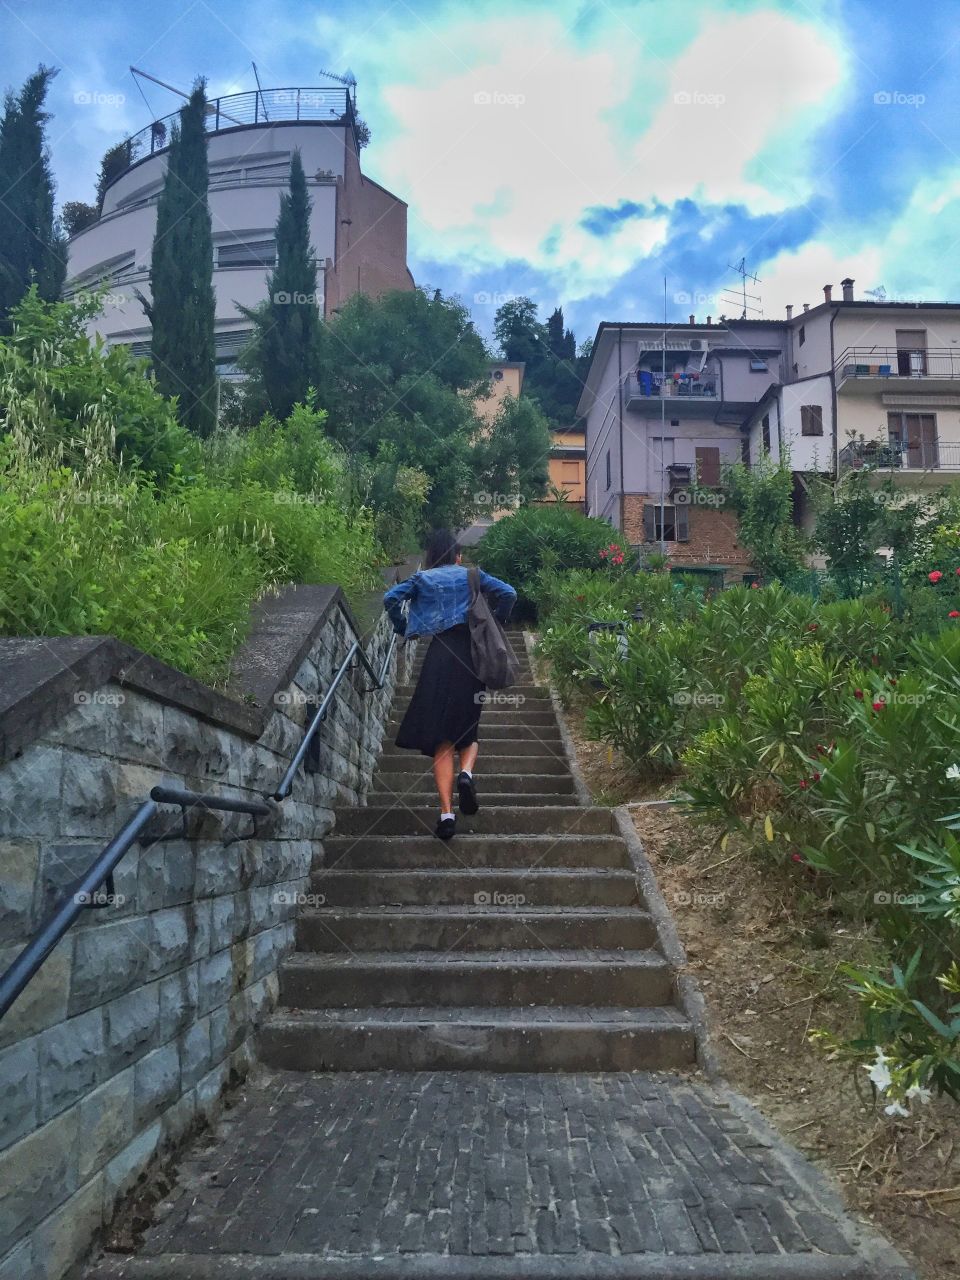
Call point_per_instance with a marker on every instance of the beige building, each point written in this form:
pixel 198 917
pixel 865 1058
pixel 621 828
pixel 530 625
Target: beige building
pixel 358 229
pixel 506 379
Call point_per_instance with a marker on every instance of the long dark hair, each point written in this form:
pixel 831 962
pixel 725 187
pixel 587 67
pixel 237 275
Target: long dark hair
pixel 440 548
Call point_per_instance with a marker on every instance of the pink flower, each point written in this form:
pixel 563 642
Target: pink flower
pixel 879 705
pixel 954 613
pixel 935 576
pixel 803 784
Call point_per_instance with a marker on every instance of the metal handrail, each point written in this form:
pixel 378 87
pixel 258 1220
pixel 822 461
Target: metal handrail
pixel 81 896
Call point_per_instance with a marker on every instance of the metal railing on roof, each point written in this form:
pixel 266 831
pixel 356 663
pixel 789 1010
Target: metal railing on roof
pixel 325 104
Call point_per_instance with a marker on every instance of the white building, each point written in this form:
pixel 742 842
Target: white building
pixel 358 229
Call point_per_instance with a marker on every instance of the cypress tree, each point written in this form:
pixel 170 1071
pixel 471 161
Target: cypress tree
pixel 182 308
pixel 284 355
pixel 32 247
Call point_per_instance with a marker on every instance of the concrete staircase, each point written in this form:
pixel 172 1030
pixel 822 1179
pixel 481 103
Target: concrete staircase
pixel 522 945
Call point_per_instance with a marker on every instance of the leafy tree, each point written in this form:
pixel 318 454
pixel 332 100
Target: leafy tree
pixel 31 244
pixel 283 354
pixel 553 375
pixel 762 496
pixel 399 377
pixel 76 216
pixel 182 309
pixel 116 160
pixel 518 450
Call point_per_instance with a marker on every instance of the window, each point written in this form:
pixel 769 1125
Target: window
pixel 570 472
pixel 674 527
pixel 811 420
pixel 609 472
pixel 911 352
pixel 708 466
pixel 803 335
pixel 758 366
pixel 255 253
pixel 914 440
pixel 765 430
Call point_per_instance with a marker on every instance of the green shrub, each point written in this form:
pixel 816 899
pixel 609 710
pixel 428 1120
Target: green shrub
pixel 519 546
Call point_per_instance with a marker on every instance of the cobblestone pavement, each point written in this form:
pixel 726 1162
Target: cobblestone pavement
pixel 443 1174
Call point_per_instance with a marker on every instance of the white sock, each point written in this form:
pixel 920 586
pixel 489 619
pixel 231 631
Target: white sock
pixel 444 816
pixel 467 772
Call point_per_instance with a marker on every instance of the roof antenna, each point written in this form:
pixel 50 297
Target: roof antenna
pixel 879 293
pixel 748 301
pixel 349 81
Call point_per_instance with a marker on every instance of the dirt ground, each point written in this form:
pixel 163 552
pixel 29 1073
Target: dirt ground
pixel 766 957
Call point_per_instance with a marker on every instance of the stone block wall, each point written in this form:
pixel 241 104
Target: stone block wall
pixel 139 1017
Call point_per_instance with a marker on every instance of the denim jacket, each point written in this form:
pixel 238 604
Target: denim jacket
pixel 440 598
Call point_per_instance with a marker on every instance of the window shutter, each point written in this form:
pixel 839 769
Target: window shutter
pixel 811 420
pixel 681 518
pixel 708 466
pixel 649 522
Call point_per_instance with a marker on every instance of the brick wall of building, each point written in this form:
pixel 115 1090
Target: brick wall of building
pixel 713 535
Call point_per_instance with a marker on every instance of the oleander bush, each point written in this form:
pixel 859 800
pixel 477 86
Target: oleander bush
pixel 825 735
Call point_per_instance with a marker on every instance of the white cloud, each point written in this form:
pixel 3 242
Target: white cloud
pixel 564 124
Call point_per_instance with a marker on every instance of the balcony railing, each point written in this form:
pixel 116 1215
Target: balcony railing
pixel 898 362
pixel 897 455
pixel 654 386
pixel 256 106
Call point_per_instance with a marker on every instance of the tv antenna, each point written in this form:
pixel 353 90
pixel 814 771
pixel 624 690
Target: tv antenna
pixel 746 301
pixel 349 81
pixel 879 294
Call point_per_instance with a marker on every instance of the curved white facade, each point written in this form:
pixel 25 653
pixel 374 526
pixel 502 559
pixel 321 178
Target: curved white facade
pixel 249 171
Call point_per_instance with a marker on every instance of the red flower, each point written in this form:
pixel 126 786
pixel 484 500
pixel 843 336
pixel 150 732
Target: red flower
pixel 754 586
pixel 935 576
pixel 803 784
pixel 858 693
pixel 879 704
pixel 890 679
pixel 617 560
pixel 958 573
pixel 796 857
pixel 603 553
pixel 812 627
pixel 815 777
pixel 954 613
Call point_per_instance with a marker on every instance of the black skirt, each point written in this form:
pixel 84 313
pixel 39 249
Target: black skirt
pixel 446 703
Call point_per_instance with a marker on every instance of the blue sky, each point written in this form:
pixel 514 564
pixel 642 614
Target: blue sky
pixel 579 152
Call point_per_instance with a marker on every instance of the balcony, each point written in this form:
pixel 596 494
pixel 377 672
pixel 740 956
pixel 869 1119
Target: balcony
pixel 644 391
pixel 328 105
pixel 867 370
pixel 898 457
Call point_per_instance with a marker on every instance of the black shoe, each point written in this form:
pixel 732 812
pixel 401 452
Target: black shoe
pixel 446 828
pixel 468 794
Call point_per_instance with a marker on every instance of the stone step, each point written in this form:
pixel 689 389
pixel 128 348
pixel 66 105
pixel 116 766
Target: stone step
pixel 544 737
pixel 491 927
pixel 517 692
pixel 426 796
pixel 542 715
pixel 414 852
pixel 497 977
pixel 543 887
pixel 493 783
pixel 401 763
pixel 534 818
pixel 431 1038
pixel 491 744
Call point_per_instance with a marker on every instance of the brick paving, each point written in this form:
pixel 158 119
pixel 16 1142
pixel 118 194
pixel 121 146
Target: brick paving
pixel 454 1167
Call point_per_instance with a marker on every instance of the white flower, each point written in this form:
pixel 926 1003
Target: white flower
pixel 918 1091
pixel 953 773
pixel 879 1072
pixel 895 1109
